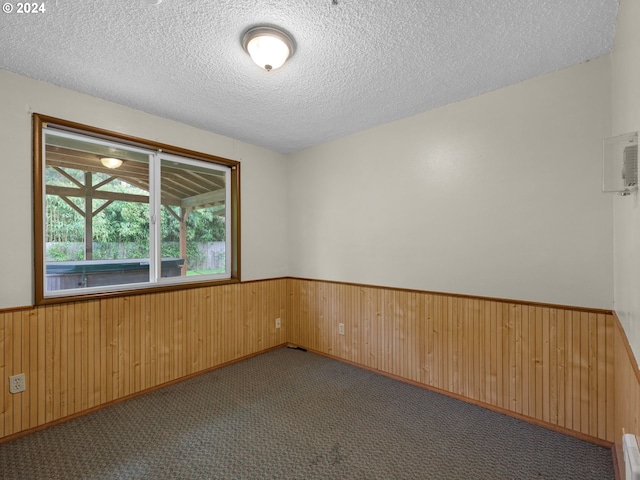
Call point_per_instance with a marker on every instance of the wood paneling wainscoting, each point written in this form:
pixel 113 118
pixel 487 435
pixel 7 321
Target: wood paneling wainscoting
pixel 567 368
pixel 627 392
pixel 79 356
pixel 548 364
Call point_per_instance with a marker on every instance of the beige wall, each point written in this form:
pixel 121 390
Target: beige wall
pixel 498 195
pixel 625 75
pixel 264 222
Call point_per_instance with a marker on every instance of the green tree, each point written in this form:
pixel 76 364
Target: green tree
pixel 122 224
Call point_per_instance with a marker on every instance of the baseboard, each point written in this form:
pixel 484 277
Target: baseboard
pixel 581 436
pixel 617 461
pixel 59 421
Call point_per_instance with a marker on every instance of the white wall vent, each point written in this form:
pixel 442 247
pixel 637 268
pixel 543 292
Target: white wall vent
pixel 620 164
pixel 631 457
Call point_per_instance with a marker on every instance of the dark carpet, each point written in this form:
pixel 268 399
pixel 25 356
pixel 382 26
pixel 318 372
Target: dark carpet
pixel 295 415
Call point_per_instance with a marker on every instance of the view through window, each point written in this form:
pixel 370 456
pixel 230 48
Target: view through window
pixel 119 216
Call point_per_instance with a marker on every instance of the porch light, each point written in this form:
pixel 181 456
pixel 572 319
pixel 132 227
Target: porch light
pixel 111 162
pixel 268 47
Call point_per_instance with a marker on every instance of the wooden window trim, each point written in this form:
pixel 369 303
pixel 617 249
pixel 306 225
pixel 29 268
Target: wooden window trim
pixel 39 122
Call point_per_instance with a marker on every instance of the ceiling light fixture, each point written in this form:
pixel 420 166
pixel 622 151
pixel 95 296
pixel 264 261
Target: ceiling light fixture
pixel 269 47
pixel 111 162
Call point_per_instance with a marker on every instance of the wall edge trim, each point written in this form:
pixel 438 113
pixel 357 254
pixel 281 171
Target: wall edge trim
pixel 616 463
pixel 4 310
pixel 364 285
pixel 572 433
pixel 17 309
pixel 601 311
pixel 632 358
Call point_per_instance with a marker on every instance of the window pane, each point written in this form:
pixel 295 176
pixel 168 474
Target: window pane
pixel 96 213
pixel 116 214
pixel 193 219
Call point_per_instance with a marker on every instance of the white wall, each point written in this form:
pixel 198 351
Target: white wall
pixel 263 196
pixel 625 75
pixel 498 195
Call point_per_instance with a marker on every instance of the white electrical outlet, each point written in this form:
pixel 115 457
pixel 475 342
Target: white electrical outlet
pixel 341 328
pixel 17 383
pixel 277 323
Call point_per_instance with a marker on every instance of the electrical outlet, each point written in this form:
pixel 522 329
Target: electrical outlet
pixel 277 323
pixel 17 383
pixel 341 328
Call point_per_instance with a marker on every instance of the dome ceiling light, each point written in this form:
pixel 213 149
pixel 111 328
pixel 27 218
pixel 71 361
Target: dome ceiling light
pixel 111 162
pixel 268 47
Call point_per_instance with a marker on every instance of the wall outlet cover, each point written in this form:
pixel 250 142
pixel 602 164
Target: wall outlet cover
pixel 17 383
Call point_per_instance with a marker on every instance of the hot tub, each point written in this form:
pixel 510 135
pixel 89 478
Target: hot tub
pixel 99 273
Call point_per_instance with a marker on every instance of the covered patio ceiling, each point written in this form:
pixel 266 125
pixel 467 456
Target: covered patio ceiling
pixel 184 185
pixel 188 188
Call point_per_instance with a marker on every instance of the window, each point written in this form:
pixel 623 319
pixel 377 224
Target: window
pixel 115 214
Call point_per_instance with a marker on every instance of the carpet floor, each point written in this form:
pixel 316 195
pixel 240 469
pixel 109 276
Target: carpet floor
pixel 289 414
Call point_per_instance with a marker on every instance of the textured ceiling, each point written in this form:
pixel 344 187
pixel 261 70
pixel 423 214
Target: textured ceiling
pixel 358 63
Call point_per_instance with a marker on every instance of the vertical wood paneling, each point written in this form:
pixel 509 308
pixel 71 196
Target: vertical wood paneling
pixel 554 368
pixel 57 341
pixel 517 375
pixel 17 363
pixel 549 364
pixel 34 366
pixel 79 383
pixel 525 361
pixel 575 370
pixel 555 365
pixel 616 384
pixel 593 373
pixel 569 347
pixel 477 359
pixel 502 353
pixel 584 373
pixel 485 348
pixel 85 382
pixel 626 391
pixel 537 363
pixel 562 367
pixel 48 381
pixel 546 364
pixel 490 314
pixel 80 355
pixel 62 362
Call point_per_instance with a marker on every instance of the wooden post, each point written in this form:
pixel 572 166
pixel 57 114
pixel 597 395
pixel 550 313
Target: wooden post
pixel 184 217
pixel 88 216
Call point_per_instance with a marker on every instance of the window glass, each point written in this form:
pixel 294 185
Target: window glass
pixel 193 218
pixel 96 216
pixel 117 216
